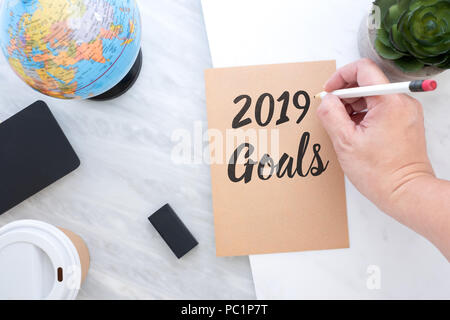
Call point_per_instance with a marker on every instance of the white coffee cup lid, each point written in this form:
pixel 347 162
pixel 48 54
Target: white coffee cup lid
pixel 37 261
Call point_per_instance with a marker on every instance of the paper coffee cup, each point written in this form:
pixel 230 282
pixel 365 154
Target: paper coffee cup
pixel 40 261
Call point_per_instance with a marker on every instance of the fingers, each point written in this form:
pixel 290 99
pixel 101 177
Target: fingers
pixel 336 120
pixel 357 105
pixel 363 72
pixel 357 118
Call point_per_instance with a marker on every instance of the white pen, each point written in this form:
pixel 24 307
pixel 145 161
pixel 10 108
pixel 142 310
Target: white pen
pixel 383 89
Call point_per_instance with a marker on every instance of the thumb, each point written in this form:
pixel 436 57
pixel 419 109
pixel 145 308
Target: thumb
pixel 335 119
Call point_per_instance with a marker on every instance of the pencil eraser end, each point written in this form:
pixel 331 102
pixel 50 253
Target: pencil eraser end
pixel 429 85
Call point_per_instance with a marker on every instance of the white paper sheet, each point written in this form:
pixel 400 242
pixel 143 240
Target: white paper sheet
pixel 386 260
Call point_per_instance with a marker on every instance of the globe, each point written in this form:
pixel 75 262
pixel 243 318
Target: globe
pixel 73 49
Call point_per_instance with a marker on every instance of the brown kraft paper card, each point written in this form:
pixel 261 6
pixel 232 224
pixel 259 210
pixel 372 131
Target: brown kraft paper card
pixel 276 182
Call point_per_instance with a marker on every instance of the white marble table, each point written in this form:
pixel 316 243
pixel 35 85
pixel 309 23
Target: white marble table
pixel 127 173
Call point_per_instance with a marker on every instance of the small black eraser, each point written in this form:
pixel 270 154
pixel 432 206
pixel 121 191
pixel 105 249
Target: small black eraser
pixel 177 236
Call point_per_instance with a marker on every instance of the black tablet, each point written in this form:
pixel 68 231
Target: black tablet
pixel 34 153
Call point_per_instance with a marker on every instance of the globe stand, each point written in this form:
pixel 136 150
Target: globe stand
pixel 125 84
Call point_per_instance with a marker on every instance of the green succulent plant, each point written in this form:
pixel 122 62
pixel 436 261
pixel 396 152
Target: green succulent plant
pixel 414 33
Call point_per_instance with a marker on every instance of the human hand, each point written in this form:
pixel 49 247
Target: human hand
pixel 380 140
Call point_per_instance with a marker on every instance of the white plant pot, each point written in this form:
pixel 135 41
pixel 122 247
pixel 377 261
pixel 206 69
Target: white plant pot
pixel 366 41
